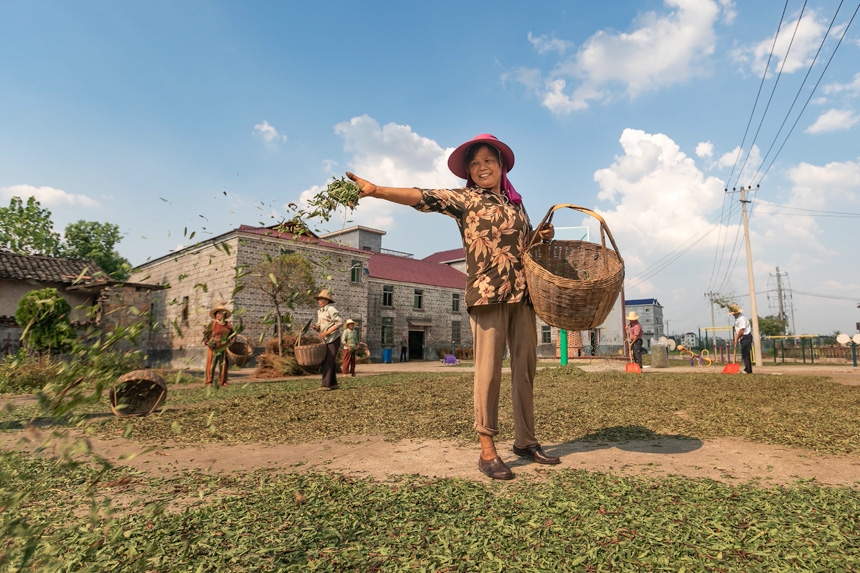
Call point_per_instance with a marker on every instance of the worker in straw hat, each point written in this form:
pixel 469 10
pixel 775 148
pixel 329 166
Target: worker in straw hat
pixel 350 345
pixel 328 326
pixel 495 231
pixel 743 333
pixel 217 336
pixel 634 336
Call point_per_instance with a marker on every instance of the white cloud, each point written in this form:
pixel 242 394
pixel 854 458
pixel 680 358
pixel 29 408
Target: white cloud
pixel 813 184
pixel 737 160
pixel 850 88
pixel 705 149
pixel 799 235
pixel 729 13
pixel 395 155
pixel 391 155
pixel 268 133
pixel 662 49
pixel 546 44
pixel 47 196
pixel 660 197
pixel 804 44
pixel 834 120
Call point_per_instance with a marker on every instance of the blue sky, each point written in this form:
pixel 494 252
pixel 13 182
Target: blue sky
pixel 166 116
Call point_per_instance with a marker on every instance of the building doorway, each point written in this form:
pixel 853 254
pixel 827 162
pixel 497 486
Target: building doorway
pixel 416 345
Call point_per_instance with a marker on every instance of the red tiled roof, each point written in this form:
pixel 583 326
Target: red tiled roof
pixel 47 269
pixel 446 256
pixel 311 238
pixel 402 269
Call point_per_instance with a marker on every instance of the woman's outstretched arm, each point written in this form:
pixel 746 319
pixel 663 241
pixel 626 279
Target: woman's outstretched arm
pixel 402 195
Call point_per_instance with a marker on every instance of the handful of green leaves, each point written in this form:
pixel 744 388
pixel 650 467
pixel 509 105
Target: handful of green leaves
pixel 339 192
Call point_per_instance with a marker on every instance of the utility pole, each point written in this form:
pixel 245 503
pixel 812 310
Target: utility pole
pixel 710 295
pixel 781 314
pixel 753 309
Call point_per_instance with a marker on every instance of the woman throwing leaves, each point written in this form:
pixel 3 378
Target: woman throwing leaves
pixel 495 230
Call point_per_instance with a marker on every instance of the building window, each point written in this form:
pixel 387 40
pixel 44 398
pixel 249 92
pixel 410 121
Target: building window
pixel 545 334
pixel 355 272
pixel 387 331
pixel 418 301
pixel 387 295
pixel 455 302
pixel 184 310
pixel 455 331
pixel 285 251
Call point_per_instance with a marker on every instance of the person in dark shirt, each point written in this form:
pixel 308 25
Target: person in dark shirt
pixel 217 336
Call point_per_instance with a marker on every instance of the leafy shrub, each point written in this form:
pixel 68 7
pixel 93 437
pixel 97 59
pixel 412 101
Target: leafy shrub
pixel 26 373
pixel 44 316
pixel 23 373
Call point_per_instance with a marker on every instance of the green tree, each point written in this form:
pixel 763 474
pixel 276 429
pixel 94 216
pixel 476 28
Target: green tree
pixel 285 281
pixel 771 326
pixel 44 316
pixel 28 229
pixel 95 241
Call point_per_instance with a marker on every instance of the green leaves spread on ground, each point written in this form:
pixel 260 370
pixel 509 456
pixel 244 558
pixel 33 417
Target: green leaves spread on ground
pixel 571 520
pixel 570 405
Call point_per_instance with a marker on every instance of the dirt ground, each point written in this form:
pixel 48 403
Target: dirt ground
pixel 726 459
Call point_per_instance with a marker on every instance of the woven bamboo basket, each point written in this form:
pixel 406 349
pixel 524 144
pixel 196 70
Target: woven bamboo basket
pixel 137 393
pixel 309 354
pixel 240 351
pixel 573 284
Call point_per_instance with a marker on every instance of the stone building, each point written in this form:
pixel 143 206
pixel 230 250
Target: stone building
pixel 386 294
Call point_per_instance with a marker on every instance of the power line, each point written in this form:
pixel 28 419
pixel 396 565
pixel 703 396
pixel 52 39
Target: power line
pixel 839 216
pixel 831 297
pixel 800 89
pixel 811 93
pixel 804 209
pixel 773 91
pixel 671 256
pixel 755 103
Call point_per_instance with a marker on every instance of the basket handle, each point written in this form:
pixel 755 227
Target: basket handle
pixel 604 230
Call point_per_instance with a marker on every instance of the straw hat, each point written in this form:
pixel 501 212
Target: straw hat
pixel 457 160
pixel 227 312
pixel 326 294
pixel 735 309
pixel 632 315
pixel 348 322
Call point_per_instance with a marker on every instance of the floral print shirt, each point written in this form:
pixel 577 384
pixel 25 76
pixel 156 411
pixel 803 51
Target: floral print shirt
pixel 495 234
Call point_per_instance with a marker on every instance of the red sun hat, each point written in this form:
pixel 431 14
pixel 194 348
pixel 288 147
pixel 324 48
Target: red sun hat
pixel 457 160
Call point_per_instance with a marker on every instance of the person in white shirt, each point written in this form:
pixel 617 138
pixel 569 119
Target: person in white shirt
pixel 743 333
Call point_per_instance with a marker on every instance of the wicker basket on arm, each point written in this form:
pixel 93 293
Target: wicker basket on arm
pixel 573 284
pixel 309 354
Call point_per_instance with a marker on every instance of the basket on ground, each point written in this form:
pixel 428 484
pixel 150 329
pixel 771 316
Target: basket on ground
pixel 240 351
pixel 137 393
pixel 309 354
pixel 573 284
